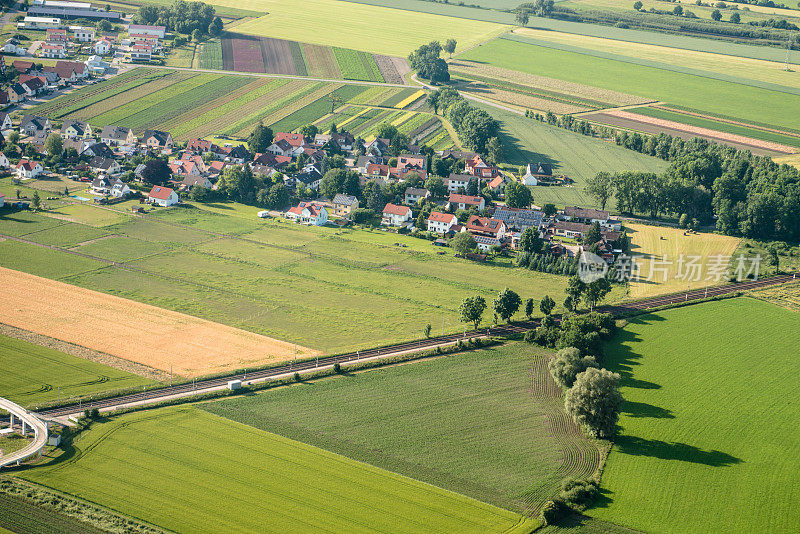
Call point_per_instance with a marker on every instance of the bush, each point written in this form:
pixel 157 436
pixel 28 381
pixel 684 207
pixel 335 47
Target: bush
pixel 337 368
pixel 95 413
pixel 553 512
pixel 297 377
pixel 566 365
pixel 578 493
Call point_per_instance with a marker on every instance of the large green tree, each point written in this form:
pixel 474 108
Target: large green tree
pixel 260 139
pixel 566 365
pixel 600 187
pixel 594 401
pixel 506 304
pixel 463 242
pixel 518 195
pixel 471 310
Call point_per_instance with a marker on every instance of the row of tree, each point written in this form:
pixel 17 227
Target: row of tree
pixel 476 129
pixel 745 194
pixel 182 17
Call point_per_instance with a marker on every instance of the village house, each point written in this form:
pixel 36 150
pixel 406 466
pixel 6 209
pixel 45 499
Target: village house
pixel 569 229
pixel 308 213
pixel 394 215
pixel 498 186
pixel 53 50
pixel 13 46
pixel 102 47
pixel 477 167
pixel 485 243
pixel 99 164
pixel 184 168
pixel 30 124
pixel 200 181
pixel 81 34
pixel 378 147
pixel 16 93
pixel 414 195
pixel 199 146
pixel 536 173
pixel 343 205
pixel 141 52
pixel 96 65
pixel 408 162
pixel 591 216
pixel 56 35
pixel 2 200
pixel 107 186
pixel 93 149
pixel 33 86
pixel 117 136
pixel 441 223
pixel 519 219
pixel 71 129
pixel 156 140
pixel 28 168
pixel 162 196
pixel 484 226
pixel 456 183
pixel 22 66
pixel 464 202
pixel 281 148
pixel 4 163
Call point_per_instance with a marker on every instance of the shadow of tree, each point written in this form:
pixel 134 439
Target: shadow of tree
pixel 665 450
pixel 643 409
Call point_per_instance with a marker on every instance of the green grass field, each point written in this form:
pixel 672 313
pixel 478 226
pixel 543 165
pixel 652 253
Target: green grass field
pixel 577 156
pixel 325 288
pixel 716 96
pixel 379 30
pixel 709 431
pixel 27 518
pixel 34 374
pixel 702 122
pixel 196 105
pixel 487 424
pixel 267 483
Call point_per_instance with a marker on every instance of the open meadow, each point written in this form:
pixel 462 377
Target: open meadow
pixel 267 483
pixel 658 251
pixel 577 156
pixel 189 104
pixel 489 423
pixel 33 374
pixel 710 93
pixel 151 336
pixel 710 420
pixel 374 29
pixel 326 288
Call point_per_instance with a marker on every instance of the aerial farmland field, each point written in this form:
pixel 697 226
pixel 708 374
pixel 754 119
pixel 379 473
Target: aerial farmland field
pixel 378 30
pixel 34 374
pixel 261 282
pixel 196 105
pixel 268 483
pixel 488 424
pixel 714 96
pixel 709 424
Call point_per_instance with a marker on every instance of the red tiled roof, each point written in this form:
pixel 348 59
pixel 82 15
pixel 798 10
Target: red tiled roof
pixel 441 217
pixel 159 192
pixel 393 209
pixel 465 199
pixel 484 225
pixel 296 140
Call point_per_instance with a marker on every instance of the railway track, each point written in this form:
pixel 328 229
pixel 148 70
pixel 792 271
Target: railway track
pixel 210 384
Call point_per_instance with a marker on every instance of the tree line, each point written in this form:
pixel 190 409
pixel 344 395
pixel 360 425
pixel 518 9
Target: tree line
pixel 476 129
pixel 182 17
pixel 741 193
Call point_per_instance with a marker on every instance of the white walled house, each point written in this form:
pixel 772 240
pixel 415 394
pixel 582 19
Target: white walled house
pixel 28 169
pixel 308 213
pixel 162 196
pixel 83 35
pixel 441 223
pixel 394 215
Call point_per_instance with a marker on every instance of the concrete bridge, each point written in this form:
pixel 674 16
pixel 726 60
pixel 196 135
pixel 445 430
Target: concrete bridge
pixel 28 422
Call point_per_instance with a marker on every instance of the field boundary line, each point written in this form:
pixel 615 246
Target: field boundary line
pixel 666 107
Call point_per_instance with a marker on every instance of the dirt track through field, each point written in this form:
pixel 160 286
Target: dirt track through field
pixel 696 131
pixel 579 457
pixel 133 331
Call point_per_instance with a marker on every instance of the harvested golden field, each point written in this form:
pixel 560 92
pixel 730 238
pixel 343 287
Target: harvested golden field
pixel 131 330
pixel 534 81
pixel 660 269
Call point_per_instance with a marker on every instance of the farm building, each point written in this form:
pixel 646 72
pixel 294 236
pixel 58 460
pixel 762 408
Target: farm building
pixel 157 31
pixel 67 11
pixel 394 215
pixel 308 213
pixel 38 23
pixel 162 196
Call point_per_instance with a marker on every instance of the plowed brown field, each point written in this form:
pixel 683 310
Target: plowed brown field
pixel 131 330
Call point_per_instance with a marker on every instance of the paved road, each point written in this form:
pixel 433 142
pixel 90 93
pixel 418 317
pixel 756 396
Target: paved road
pixel 216 384
pixel 32 421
